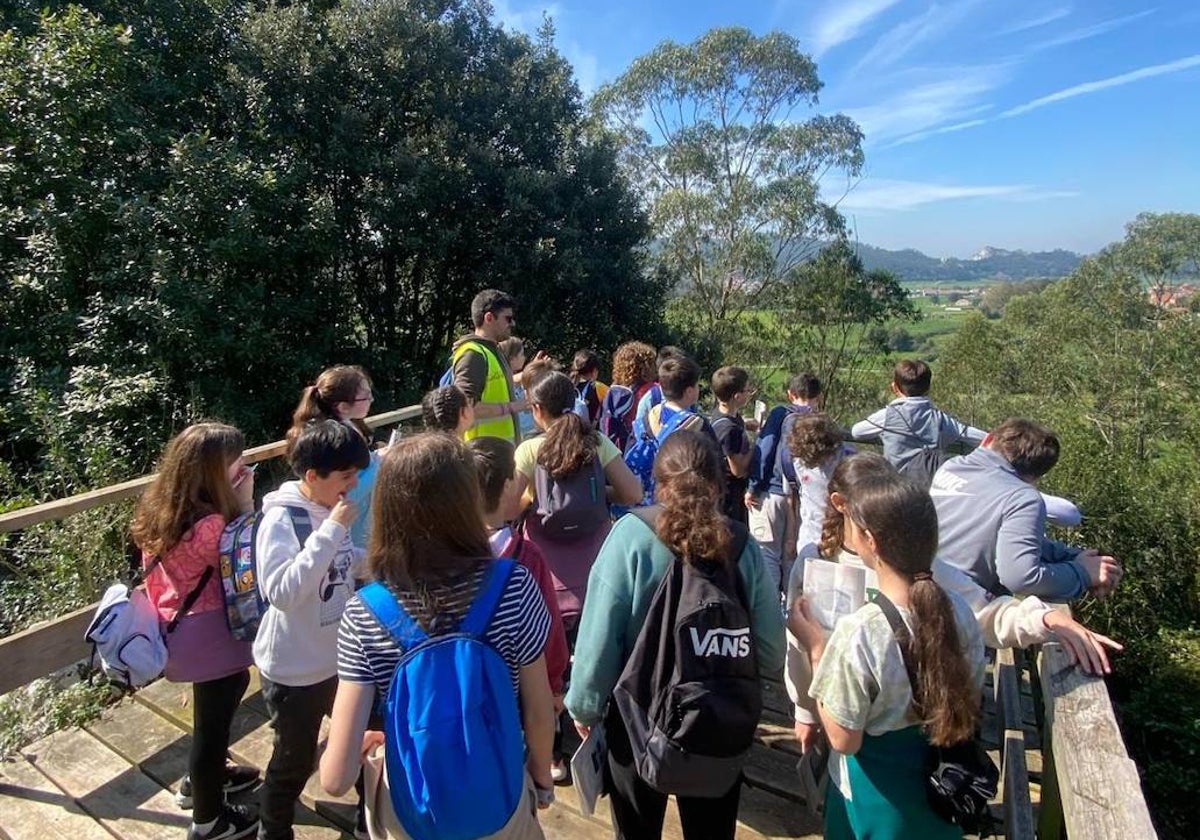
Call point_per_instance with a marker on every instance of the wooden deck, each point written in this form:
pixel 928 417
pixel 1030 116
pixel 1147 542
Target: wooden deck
pixel 115 778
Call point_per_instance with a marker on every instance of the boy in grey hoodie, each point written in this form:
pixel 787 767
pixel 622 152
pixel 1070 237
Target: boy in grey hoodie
pixel 911 423
pixel 992 520
pixel 307 565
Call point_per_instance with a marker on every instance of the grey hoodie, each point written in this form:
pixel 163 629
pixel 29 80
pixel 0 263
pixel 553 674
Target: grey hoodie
pixel 992 524
pixel 306 587
pixel 907 425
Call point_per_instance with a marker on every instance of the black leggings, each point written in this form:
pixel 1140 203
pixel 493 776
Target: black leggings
pixel 213 705
pixel 638 809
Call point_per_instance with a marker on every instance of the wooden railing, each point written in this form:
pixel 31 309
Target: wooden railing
pixel 1089 785
pixel 55 644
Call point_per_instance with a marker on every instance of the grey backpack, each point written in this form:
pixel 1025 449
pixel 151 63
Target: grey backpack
pixel 573 506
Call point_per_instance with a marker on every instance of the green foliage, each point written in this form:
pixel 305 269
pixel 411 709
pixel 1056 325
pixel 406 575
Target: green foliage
pixel 822 321
pixel 1097 358
pixel 204 203
pixel 731 174
pixel 48 705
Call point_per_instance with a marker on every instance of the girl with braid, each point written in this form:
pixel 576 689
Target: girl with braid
pixel 447 409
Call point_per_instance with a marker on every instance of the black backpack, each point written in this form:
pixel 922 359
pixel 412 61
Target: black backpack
pixel 922 467
pixel 690 695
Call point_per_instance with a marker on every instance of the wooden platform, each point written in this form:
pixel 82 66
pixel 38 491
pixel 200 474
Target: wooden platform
pixel 116 776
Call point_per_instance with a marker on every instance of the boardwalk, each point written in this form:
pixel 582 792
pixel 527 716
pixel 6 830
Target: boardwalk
pixel 115 778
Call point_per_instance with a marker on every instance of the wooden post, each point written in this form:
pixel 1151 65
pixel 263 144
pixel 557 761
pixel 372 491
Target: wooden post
pixel 1097 782
pixel 1014 773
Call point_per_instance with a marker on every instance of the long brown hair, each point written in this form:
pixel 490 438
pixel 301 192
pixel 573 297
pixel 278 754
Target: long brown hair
pixel 192 483
pixel 340 383
pixel 687 484
pixel 903 522
pixel 427 517
pixel 570 444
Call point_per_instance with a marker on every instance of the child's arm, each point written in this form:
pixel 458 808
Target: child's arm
pixel 288 571
pixel 954 430
pixel 1062 512
pixel 342 760
pixel 870 428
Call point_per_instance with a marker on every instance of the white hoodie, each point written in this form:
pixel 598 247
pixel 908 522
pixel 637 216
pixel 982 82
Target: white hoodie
pixel 306 588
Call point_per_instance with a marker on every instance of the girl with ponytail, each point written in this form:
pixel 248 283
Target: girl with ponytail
pixel 685 524
pixel 343 393
pixel 569 474
pixel 879 730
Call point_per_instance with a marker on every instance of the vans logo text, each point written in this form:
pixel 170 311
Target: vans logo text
pixel 719 642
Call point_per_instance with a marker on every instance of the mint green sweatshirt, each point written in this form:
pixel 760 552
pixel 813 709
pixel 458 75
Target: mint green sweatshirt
pixel 623 580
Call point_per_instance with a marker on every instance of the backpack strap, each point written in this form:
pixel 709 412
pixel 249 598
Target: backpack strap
pixel 479 616
pixel 904 640
pixel 190 599
pixel 675 421
pixel 301 522
pixel 392 616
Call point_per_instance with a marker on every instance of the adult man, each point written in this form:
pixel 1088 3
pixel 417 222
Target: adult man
pixel 482 371
pixel 992 519
pixel 770 498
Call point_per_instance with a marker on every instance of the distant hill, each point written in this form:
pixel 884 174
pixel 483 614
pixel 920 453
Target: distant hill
pixel 986 264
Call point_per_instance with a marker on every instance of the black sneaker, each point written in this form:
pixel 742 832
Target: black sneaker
pixel 238 777
pixel 235 822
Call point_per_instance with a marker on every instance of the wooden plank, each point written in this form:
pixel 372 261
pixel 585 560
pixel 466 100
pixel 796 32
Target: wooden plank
pixel 34 809
pixel 122 798
pixel 1018 809
pixel 44 649
pixel 160 749
pixel 62 508
pixel 1098 784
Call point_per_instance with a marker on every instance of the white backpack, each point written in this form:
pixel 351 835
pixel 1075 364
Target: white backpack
pixel 128 636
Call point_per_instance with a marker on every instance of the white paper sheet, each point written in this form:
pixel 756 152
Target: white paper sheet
pixel 587 769
pixel 834 589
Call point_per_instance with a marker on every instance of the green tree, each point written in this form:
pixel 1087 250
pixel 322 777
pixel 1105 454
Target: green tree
pixel 711 133
pixel 820 320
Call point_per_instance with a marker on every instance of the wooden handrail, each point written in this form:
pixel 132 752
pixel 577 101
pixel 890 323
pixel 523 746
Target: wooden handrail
pixel 1094 789
pixel 62 508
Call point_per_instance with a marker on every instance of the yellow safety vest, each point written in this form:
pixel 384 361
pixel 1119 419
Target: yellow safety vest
pixel 495 390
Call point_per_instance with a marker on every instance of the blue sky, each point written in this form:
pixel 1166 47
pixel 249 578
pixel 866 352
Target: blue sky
pixel 1012 124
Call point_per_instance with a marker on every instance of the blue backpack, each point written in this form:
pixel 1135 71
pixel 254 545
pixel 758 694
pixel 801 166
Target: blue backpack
pixel 454 744
pixel 641 455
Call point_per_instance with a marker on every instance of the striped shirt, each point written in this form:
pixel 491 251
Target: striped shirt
pixel 518 631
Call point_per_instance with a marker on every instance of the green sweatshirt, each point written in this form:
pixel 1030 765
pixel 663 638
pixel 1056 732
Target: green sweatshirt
pixel 623 580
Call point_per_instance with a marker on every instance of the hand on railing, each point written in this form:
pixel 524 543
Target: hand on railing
pixel 1085 647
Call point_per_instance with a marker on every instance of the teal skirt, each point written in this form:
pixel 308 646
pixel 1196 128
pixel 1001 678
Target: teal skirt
pixel 886 778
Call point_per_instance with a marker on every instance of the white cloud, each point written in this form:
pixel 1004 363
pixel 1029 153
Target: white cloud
pixel 956 95
pixel 933 132
pixel 1034 23
pixel 883 195
pixel 843 20
pixel 1092 31
pixel 1104 84
pixel 934 23
pixel 525 20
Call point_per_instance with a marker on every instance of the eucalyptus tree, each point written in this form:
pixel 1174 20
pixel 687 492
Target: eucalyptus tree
pixel 719 136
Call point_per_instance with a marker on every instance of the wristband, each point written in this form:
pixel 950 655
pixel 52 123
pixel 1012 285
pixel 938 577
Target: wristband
pixel 544 796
